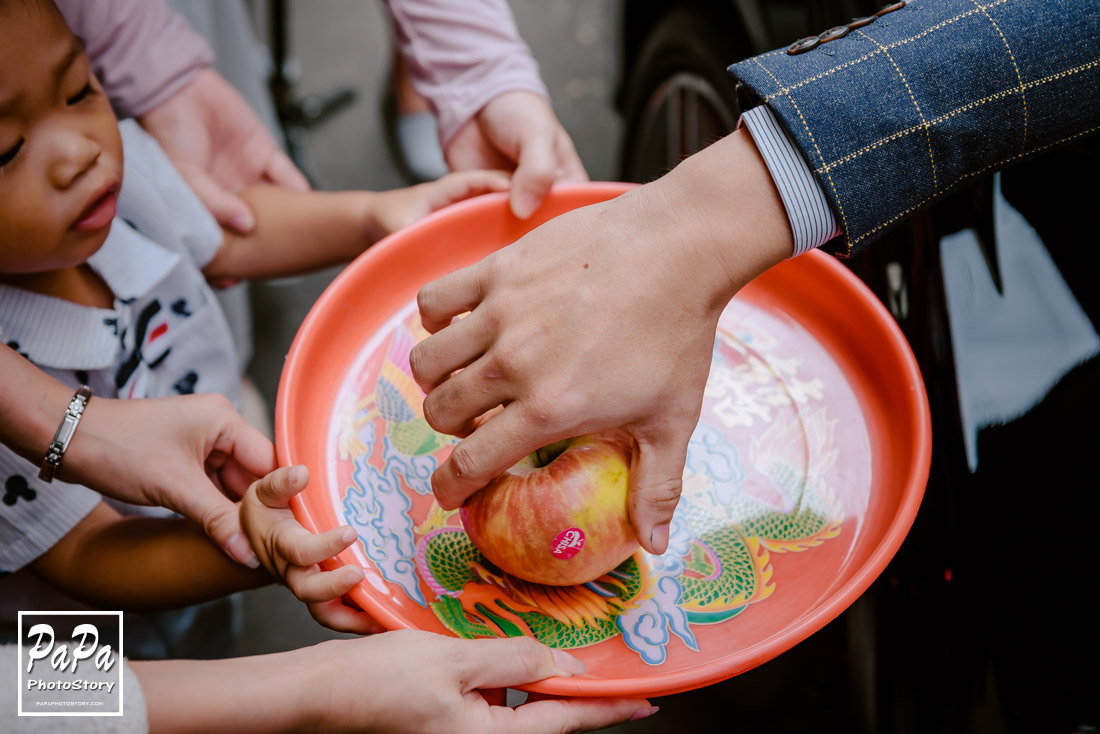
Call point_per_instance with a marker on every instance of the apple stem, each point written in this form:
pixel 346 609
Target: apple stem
pixel 546 454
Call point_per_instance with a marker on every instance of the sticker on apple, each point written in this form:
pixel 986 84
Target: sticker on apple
pixel 568 543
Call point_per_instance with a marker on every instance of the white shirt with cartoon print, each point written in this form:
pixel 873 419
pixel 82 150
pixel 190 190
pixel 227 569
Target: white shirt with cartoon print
pixel 165 335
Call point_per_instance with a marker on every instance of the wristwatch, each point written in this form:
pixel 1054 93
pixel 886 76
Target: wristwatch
pixel 64 434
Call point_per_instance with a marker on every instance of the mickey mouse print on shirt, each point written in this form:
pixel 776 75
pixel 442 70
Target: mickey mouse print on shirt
pixel 16 488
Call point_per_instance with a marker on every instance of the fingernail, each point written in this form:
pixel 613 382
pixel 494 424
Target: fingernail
pixel 525 204
pixel 658 539
pixel 240 550
pixel 242 222
pixel 297 475
pixel 348 535
pixel 567 663
pixel 645 713
pixel 353 574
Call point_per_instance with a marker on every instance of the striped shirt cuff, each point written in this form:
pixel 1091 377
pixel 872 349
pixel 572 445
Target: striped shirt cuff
pixel 812 221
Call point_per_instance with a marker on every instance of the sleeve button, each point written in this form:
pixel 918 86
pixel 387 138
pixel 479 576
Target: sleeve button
pixel 890 8
pixel 832 34
pixel 803 45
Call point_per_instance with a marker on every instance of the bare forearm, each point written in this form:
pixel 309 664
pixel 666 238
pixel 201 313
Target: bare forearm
pixel 244 695
pixel 142 563
pixel 723 202
pixel 295 232
pixel 31 405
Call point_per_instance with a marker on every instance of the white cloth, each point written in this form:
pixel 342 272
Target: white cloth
pixel 165 335
pixel 134 719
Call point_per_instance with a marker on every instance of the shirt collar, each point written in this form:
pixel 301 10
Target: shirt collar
pixel 56 333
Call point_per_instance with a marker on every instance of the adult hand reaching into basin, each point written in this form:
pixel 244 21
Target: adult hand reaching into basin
pixel 603 317
pixel 518 131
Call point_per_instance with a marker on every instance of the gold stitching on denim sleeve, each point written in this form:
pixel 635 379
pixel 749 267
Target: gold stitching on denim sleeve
pixel 854 62
pixel 913 99
pixel 836 194
pixel 965 176
pixel 1019 79
pixel 957 111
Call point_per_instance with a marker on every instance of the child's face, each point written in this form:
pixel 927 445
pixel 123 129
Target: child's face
pixel 60 151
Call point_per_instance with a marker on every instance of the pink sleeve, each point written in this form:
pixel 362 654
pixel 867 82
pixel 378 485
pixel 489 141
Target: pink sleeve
pixel 461 54
pixel 141 51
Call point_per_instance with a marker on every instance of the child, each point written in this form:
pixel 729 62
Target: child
pixel 100 284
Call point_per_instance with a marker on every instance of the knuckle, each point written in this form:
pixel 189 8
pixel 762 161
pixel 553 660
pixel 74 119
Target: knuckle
pixel 542 413
pixel 464 463
pixel 261 493
pixel 418 361
pixel 216 404
pixel 490 271
pixel 313 590
pixel 434 411
pixel 216 516
pixel 431 409
pixel 491 314
pixel 530 657
pixel 221 402
pixel 455 658
pixel 504 361
pixel 311 581
pixel 426 298
pixel 568 404
pixel 334 585
pixel 297 585
pixel 443 494
pixel 660 497
pixel 295 554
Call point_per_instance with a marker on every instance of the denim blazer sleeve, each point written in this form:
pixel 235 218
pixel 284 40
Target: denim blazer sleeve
pixel 926 98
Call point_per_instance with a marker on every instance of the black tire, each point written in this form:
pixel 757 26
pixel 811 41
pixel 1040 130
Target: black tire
pixel 684 56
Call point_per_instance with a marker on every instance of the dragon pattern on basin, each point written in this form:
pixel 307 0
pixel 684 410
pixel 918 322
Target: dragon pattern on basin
pixel 755 485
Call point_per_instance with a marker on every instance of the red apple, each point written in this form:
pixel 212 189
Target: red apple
pixel 560 515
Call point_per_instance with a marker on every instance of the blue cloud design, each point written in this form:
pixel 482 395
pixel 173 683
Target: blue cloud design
pixel 379 511
pixel 646 628
pixel 415 470
pixel 710 454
